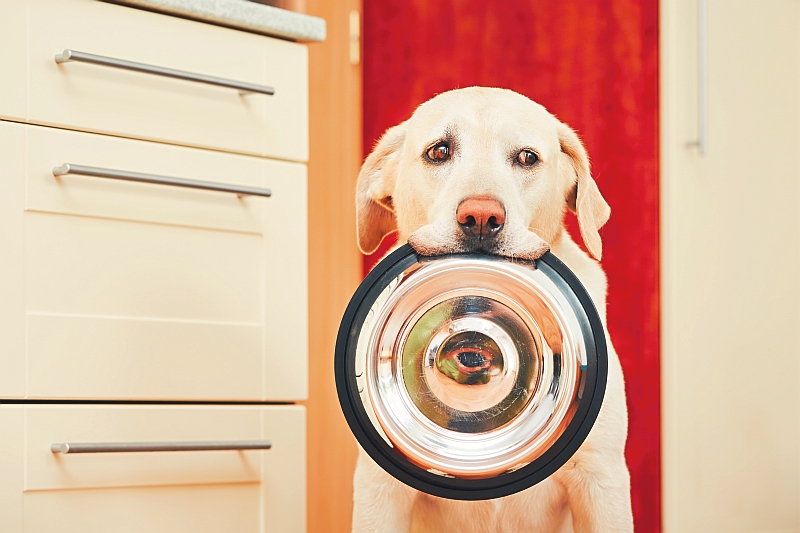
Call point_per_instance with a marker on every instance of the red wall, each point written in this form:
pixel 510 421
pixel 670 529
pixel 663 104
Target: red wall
pixel 594 64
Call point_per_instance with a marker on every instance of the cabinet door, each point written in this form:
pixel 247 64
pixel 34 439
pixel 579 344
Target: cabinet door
pixel 731 268
pixel 150 291
pixel 155 491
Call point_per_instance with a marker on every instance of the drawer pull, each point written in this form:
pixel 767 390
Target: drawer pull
pixel 118 447
pixel 243 87
pixel 69 169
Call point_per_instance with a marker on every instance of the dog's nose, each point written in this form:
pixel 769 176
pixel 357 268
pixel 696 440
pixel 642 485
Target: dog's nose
pixel 481 216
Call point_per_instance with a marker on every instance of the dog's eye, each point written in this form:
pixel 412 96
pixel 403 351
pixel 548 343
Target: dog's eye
pixel 527 158
pixel 438 153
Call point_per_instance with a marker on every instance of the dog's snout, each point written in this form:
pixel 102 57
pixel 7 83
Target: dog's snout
pixel 481 216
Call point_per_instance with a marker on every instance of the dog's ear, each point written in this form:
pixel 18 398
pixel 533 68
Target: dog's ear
pixel 584 198
pixel 374 209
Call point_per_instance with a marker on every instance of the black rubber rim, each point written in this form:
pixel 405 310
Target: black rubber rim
pixel 470 489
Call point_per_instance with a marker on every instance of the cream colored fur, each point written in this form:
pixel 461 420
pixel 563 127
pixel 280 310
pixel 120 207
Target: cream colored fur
pixel 399 189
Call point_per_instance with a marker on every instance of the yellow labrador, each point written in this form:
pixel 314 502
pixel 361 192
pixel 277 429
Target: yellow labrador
pixel 484 169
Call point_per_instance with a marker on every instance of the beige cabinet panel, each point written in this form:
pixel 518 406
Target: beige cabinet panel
pixel 153 491
pixel 731 269
pixel 12 467
pixel 134 104
pixel 13 60
pixel 79 356
pixel 143 291
pixel 197 509
pixel 101 267
pixel 12 203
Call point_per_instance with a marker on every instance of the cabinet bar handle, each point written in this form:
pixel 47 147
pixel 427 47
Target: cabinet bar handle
pixel 118 447
pixel 702 78
pixel 69 169
pixel 243 87
pixel 702 67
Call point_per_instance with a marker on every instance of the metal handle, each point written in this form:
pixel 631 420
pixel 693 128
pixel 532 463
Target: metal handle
pixel 702 78
pixel 70 169
pixel 118 447
pixel 243 87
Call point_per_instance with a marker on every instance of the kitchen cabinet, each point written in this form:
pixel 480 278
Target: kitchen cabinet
pixel 137 311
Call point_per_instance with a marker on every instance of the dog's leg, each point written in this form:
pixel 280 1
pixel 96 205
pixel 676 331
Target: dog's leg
pixel 599 498
pixel 381 504
pixel 596 479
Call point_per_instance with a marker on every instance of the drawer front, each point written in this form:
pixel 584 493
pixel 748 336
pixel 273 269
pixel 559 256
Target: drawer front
pixel 148 291
pixel 153 491
pixel 97 98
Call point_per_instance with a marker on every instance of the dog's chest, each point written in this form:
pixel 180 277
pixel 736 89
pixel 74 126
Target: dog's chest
pixel 539 509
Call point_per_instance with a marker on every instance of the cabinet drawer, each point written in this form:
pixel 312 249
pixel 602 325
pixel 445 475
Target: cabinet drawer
pixel 147 291
pixel 103 99
pixel 152 491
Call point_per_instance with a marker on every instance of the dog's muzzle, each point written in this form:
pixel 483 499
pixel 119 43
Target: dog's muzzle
pixel 470 376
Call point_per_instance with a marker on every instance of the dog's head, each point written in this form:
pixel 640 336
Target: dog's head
pixel 478 169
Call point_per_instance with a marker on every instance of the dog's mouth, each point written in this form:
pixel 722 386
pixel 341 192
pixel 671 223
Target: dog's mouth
pixel 480 244
pixel 527 245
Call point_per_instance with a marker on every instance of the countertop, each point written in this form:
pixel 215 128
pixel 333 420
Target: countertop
pixel 240 14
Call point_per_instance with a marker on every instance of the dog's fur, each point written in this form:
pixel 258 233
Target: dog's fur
pixel 399 189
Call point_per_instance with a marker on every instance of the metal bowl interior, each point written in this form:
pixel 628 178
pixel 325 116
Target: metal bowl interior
pixel 470 376
pixel 470 365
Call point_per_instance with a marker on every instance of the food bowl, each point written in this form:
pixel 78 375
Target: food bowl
pixel 470 376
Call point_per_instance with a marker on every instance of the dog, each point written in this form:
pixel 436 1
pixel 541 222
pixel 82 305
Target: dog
pixel 488 170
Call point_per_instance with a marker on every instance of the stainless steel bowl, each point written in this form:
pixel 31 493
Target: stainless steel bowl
pixel 470 376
